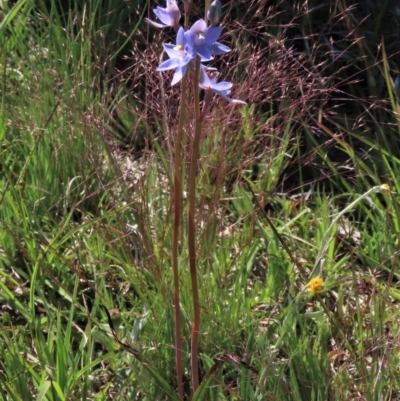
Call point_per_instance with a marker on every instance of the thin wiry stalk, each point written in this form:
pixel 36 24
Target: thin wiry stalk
pixel 192 231
pixel 206 7
pixel 177 219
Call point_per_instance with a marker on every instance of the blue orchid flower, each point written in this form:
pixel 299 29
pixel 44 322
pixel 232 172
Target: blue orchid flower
pixel 202 41
pixel 179 57
pixel 169 16
pixel 208 81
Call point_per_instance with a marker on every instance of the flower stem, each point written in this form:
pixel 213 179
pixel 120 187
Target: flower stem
pixel 192 232
pixel 175 246
pixel 207 6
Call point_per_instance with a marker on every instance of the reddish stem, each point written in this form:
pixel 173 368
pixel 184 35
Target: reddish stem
pixel 192 232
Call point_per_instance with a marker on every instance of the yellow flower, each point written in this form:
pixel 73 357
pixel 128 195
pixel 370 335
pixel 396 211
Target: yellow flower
pixel 315 285
pixel 385 189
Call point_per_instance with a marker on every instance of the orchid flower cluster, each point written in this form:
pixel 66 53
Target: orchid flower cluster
pixel 198 41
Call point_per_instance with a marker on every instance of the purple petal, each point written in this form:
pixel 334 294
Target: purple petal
pixel 164 16
pixel 224 87
pixel 189 38
pixel 204 80
pixel 169 64
pixel 212 34
pixel 190 51
pixel 218 48
pixel 230 100
pixel 179 73
pixel 204 52
pixel 156 24
pixel 198 27
pixel 180 37
pixel 173 9
pixel 171 50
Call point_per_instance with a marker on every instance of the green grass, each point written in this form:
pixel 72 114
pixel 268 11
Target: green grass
pixel 86 224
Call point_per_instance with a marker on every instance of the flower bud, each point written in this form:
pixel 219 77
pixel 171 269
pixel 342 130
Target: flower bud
pixel 214 12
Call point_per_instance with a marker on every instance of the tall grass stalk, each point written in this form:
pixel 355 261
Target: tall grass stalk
pixel 177 202
pixel 194 356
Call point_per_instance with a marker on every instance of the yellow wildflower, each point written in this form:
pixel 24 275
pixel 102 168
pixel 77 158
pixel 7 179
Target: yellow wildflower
pixel 315 285
pixel 385 189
